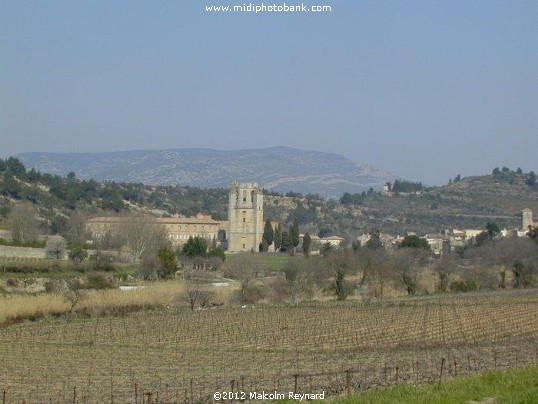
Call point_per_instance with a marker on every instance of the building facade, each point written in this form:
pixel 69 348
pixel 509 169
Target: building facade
pixel 178 229
pixel 245 217
pixel 526 219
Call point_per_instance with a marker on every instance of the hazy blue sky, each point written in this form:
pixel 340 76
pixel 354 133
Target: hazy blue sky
pixel 424 89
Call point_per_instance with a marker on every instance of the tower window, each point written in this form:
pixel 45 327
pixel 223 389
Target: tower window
pixel 244 196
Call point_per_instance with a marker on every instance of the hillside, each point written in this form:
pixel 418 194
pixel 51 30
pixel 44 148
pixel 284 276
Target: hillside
pixel 279 169
pixel 467 203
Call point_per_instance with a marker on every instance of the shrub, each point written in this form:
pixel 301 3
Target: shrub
pixel 464 286
pixel 99 281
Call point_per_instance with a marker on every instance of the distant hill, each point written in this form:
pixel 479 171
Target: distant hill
pixel 468 202
pixel 279 169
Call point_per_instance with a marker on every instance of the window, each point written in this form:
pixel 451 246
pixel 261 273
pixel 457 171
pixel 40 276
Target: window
pixel 244 196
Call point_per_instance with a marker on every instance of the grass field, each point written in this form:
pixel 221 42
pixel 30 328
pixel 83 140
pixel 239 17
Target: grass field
pixel 508 386
pixel 176 355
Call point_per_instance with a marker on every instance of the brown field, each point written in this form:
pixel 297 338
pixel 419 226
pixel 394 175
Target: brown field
pixel 176 355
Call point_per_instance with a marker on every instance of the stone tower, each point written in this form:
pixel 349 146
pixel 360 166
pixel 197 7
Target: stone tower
pixel 245 215
pixel 526 219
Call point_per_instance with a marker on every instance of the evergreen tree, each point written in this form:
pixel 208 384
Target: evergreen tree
pixel 168 261
pixel 268 233
pixel 264 247
pixel 414 241
pixel 277 239
pixel 195 247
pixel 374 243
pixel 531 179
pixel 294 233
pixel 286 241
pixel 307 241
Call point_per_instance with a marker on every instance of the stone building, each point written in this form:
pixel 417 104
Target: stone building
pixel 178 229
pixel 526 219
pixel 245 216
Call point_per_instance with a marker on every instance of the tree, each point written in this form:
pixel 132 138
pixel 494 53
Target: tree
pixel 294 233
pixel 376 271
pixel 297 282
pixel 14 165
pixel 519 270
pixel 168 261
pixel 58 224
pixel 533 233
pixel 76 232
pixel 481 238
pixel 407 186
pixel 263 247
pixel 22 223
pixel 277 239
pixel 307 241
pixel 196 295
pixel 10 186
pixel 195 247
pixel 55 246
pixel 286 241
pixel 407 263
pixel 374 243
pixel 444 268
pixel 531 179
pixel 268 233
pixel 243 269
pixel 141 234
pixel 75 294
pixel 77 255
pixel 493 230
pixel 341 262
pixel 413 241
pixel 216 257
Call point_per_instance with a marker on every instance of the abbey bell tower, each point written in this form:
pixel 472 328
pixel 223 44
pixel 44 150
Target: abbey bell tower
pixel 245 215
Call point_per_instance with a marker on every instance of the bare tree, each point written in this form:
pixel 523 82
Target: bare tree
pixel 23 223
pixel 244 268
pixel 377 272
pixel 407 263
pixel 141 235
pixel 198 295
pixel 75 294
pixel 76 228
pixel 445 267
pixel 299 283
pixel 497 258
pixel 342 262
pixel 56 246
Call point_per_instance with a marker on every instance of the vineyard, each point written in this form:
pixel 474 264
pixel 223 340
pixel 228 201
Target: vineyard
pixel 177 355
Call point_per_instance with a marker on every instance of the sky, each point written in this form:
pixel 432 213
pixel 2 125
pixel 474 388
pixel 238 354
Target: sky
pixel 424 89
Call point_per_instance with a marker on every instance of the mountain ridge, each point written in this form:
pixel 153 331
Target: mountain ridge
pixel 278 168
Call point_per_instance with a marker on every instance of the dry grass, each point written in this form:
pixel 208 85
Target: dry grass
pixel 93 302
